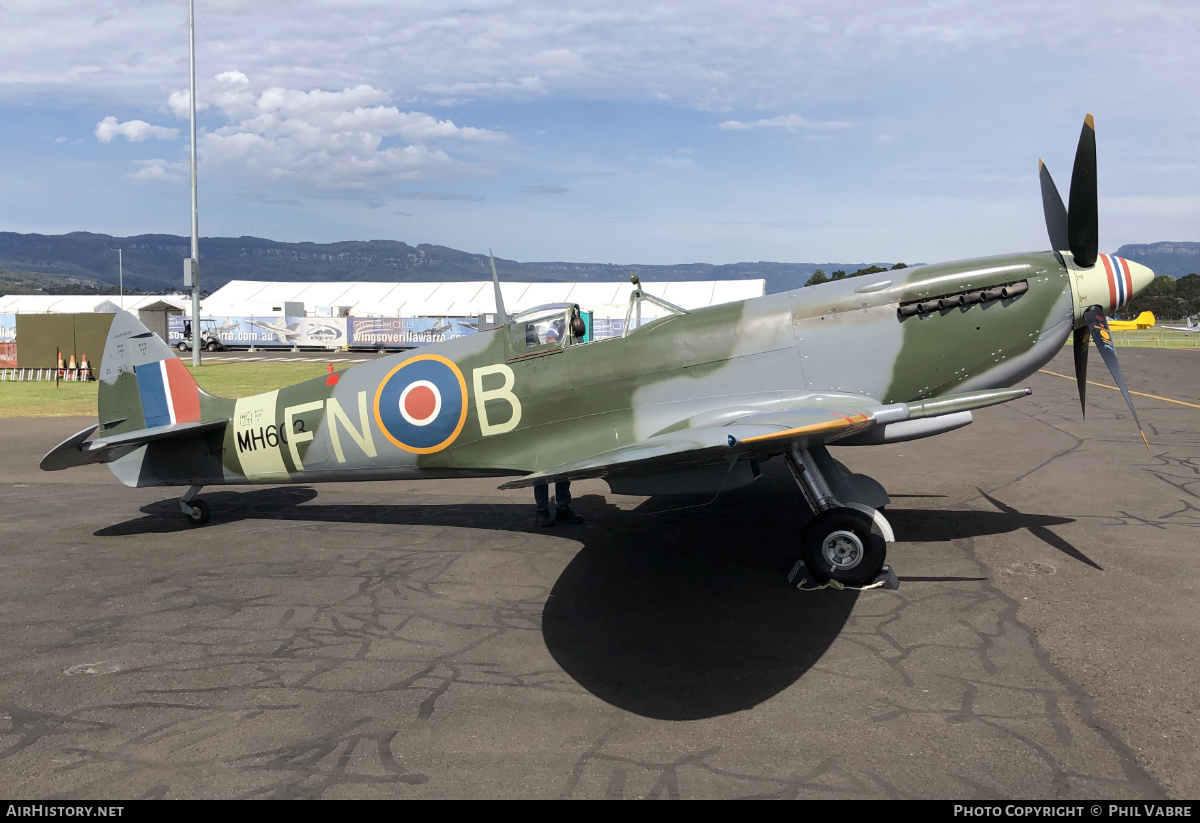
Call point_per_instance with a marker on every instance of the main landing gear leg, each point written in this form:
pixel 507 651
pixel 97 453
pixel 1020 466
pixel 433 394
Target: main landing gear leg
pixel 196 511
pixel 845 542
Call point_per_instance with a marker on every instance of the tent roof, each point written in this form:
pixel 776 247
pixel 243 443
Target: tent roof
pixel 84 303
pixel 466 299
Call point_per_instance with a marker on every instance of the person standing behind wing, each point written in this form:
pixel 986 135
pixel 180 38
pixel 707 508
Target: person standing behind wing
pixel 562 488
pixel 562 504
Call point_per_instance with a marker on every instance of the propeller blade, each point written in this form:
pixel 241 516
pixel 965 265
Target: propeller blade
pixel 1081 358
pixel 1083 222
pixel 1102 337
pixel 1056 212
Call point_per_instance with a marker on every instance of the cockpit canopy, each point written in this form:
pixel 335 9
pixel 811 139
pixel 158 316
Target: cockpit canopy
pixel 545 329
pixel 553 327
pixel 645 309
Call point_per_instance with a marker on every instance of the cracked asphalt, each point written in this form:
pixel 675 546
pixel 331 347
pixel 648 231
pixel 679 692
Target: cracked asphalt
pixel 425 639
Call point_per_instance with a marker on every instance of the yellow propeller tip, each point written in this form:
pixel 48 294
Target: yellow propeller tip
pixel 1144 440
pixel 1091 124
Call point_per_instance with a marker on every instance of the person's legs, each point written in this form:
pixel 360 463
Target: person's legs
pixel 562 494
pixel 541 499
pixel 562 503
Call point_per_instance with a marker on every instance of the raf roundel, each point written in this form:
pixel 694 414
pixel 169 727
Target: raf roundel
pixel 421 405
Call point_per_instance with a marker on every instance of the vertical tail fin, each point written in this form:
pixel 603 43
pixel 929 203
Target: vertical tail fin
pixel 143 384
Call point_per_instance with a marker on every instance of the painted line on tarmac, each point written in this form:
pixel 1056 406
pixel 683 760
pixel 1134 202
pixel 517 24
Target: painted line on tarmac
pixel 1114 388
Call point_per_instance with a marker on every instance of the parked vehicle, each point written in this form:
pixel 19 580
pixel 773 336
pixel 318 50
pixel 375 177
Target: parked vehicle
pixel 209 340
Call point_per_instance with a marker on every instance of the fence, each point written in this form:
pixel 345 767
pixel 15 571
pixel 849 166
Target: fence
pixel 54 374
pixel 1156 339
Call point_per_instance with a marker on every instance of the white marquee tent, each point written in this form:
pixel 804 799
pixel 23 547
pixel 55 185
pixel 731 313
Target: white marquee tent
pixel 85 304
pixel 606 300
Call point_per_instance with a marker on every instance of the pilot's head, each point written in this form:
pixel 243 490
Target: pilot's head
pixel 553 335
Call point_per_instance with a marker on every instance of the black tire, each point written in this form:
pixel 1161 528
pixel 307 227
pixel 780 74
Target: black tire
pixel 200 513
pixel 210 347
pixel 181 345
pixel 862 550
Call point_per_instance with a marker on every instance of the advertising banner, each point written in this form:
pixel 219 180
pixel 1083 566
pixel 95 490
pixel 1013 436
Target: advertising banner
pixel 602 328
pixel 8 341
pixel 268 332
pixel 335 332
pixel 396 332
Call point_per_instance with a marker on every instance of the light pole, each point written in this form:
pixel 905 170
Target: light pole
pixel 121 276
pixel 194 261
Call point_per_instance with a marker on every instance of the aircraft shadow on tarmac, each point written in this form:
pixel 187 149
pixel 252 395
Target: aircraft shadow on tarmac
pixel 678 614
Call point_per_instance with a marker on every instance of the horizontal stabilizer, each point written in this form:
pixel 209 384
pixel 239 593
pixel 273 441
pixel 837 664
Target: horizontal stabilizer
pixel 77 450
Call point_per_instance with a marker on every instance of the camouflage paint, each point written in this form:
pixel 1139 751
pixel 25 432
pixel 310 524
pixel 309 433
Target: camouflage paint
pixel 550 407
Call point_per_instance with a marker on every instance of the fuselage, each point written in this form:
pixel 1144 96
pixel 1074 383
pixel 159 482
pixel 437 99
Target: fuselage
pixel 491 404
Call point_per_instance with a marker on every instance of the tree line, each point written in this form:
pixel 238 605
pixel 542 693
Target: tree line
pixel 819 276
pixel 1167 298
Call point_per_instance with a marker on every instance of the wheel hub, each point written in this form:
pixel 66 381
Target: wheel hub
pixel 842 550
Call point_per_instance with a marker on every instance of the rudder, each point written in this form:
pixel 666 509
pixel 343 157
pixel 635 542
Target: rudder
pixel 143 385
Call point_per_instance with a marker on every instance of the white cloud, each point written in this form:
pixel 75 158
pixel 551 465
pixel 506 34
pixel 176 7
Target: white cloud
pixel 156 171
pixel 135 131
pixel 611 80
pixel 179 104
pixel 559 61
pixel 334 140
pixel 353 139
pixel 608 49
pixel 455 93
pixel 233 77
pixel 791 122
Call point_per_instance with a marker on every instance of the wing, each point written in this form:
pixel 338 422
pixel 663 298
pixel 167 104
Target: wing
pixel 811 420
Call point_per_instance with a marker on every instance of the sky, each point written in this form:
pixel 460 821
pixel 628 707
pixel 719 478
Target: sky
pixel 614 132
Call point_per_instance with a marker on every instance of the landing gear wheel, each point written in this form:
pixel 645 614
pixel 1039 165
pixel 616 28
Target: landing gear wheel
pixel 840 545
pixel 200 513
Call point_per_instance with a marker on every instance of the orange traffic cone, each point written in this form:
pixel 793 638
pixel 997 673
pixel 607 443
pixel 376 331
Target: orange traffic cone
pixel 85 368
pixel 331 379
pixel 71 369
pixel 60 364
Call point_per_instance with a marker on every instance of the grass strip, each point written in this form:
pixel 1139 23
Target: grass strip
pixel 44 399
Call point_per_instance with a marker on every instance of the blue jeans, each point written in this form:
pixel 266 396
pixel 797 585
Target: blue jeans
pixel 562 495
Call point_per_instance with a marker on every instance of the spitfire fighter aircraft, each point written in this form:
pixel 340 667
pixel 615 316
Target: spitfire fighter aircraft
pixel 683 402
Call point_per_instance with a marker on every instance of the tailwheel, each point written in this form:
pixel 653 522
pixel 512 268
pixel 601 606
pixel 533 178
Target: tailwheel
pixel 842 544
pixel 199 514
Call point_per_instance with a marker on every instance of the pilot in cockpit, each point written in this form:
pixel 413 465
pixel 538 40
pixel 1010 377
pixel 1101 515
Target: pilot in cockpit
pixel 553 332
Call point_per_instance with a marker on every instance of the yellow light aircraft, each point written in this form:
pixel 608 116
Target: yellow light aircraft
pixel 1145 320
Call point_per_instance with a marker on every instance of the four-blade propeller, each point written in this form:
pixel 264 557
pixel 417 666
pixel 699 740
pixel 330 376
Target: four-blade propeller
pixel 1077 230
